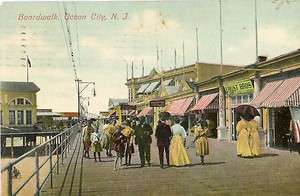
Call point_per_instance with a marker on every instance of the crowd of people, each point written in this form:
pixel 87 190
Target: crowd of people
pixel 122 138
pixel 170 136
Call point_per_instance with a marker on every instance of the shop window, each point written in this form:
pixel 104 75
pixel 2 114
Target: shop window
pixel 234 100
pixel 28 117
pixel 238 99
pixel 20 117
pixel 12 117
pixel 250 97
pixel 245 99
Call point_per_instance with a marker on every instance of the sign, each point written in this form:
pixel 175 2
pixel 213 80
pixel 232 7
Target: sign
pixel 125 106
pixel 239 88
pixel 158 103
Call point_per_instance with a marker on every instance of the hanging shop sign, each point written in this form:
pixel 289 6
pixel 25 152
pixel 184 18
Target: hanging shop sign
pixel 158 103
pixel 239 88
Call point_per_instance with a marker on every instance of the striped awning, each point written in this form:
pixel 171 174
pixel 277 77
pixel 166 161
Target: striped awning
pixel 179 107
pixel 287 94
pixel 132 113
pixel 207 102
pixel 266 92
pixel 147 111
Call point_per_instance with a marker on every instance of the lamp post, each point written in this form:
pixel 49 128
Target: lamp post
pixel 81 90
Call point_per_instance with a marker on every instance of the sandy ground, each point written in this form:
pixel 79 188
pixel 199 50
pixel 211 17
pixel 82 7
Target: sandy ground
pixel 26 167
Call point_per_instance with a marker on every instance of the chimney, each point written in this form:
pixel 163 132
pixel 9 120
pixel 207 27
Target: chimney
pixel 261 59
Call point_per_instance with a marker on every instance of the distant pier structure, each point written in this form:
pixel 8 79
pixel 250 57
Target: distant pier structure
pixel 17 141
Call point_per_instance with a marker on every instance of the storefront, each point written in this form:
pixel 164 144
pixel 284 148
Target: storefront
pixel 208 105
pixel 237 93
pixel 147 112
pixel 281 101
pixel 178 108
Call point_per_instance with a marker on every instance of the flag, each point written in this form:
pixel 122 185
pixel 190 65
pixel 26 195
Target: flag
pixel 28 62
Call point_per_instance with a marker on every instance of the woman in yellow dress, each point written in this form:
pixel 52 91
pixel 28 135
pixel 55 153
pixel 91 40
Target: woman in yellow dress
pixel 201 141
pixel 254 138
pixel 248 138
pixel 179 156
pixel 128 132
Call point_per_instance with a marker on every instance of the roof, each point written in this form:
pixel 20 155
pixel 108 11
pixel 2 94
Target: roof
pixel 52 114
pixel 152 87
pixel 172 90
pixel 143 88
pixel 116 101
pixel 19 86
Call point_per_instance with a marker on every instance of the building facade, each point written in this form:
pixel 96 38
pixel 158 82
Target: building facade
pixel 18 104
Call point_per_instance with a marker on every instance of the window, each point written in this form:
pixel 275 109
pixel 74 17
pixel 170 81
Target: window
pixel 20 101
pixel 239 99
pixel 13 102
pixel 28 117
pixel 12 117
pixel 27 102
pixel 20 116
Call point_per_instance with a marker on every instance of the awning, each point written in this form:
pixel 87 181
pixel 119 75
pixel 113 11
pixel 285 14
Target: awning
pixel 265 93
pixel 180 106
pixel 152 87
pixel 286 94
pixel 147 111
pixel 207 102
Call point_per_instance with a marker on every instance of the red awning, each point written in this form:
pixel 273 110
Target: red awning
pixel 286 94
pixel 265 93
pixel 180 106
pixel 207 102
pixel 147 111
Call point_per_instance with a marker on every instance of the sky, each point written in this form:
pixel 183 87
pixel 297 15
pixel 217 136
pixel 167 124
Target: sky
pixel 102 49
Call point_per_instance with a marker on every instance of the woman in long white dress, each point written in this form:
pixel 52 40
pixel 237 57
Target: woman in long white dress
pixel 179 156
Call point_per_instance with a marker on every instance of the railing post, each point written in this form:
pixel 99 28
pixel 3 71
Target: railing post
pixel 65 144
pixel 37 170
pixel 9 180
pixel 50 161
pixel 61 149
pixel 57 156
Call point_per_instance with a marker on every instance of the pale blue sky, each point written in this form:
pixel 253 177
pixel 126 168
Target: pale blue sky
pixel 105 46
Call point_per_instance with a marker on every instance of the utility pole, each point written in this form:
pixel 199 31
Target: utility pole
pixel 143 68
pixel 256 33
pixel 80 91
pixel 132 74
pixel 221 39
pixel 27 69
pixel 175 57
pixel 197 42
pixel 183 57
pixel 157 58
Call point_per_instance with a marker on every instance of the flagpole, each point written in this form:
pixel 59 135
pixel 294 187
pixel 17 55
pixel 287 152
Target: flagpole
pixel 221 39
pixel 256 33
pixel 197 42
pixel 27 70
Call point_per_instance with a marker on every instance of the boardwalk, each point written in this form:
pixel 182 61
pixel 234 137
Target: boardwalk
pixel 276 173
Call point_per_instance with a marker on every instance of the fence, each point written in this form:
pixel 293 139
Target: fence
pixel 58 147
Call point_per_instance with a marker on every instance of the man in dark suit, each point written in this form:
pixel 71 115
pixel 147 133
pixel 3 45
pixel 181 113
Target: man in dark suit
pixel 163 135
pixel 143 132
